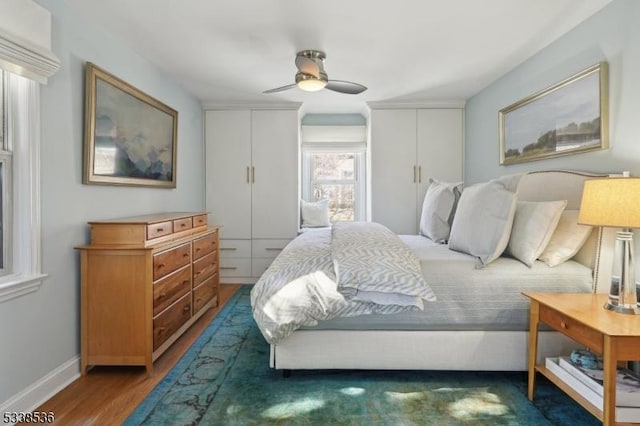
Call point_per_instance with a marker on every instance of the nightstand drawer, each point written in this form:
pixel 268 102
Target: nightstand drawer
pixel 572 328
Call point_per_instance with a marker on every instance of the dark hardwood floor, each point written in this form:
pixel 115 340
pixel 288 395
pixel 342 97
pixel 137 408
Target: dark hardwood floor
pixel 107 395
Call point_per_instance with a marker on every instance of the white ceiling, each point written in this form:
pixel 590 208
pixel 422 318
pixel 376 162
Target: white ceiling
pixel 402 50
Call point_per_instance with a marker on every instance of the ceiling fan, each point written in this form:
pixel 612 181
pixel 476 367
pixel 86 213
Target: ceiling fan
pixel 312 77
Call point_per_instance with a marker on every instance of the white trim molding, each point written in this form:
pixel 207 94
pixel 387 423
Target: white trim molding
pixel 254 106
pixel 443 104
pixel 25 40
pixel 25 59
pixel 16 285
pixel 43 389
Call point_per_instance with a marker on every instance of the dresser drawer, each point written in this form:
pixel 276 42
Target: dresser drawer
pixel 235 267
pixel 171 288
pixel 160 229
pixel 199 220
pixel 204 293
pixel 205 245
pixel 168 261
pixel 170 320
pixel 203 268
pixel 235 248
pixel 572 328
pixel 267 248
pixel 182 224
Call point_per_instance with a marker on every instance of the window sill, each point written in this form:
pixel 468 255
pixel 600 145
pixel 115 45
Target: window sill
pixel 16 285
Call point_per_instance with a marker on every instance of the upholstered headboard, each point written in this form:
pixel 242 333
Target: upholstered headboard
pixel 567 185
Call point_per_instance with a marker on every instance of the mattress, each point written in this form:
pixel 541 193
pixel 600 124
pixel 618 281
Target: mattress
pixel 468 298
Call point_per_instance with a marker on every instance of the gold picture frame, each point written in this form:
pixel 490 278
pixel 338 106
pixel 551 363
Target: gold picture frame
pixel 567 118
pixel 130 137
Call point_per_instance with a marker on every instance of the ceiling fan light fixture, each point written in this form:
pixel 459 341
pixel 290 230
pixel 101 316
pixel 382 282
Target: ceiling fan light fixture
pixel 310 83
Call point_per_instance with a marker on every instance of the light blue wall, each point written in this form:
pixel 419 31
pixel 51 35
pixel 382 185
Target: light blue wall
pixel 40 331
pixel 334 120
pixel 611 35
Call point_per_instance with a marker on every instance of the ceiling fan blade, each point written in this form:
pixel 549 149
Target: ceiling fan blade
pixel 345 87
pixel 280 89
pixel 308 66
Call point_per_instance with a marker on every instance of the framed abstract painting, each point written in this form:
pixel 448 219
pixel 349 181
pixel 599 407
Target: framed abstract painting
pixel 130 137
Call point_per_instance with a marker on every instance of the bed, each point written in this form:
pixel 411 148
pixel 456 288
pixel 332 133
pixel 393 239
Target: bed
pixel 478 320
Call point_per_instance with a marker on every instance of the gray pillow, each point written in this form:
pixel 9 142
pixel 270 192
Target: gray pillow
pixel 533 226
pixel 438 209
pixel 484 217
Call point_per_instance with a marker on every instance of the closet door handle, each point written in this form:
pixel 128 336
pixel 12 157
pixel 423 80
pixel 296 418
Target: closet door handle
pixel 248 175
pixel 414 174
pixel 253 174
pixel 419 174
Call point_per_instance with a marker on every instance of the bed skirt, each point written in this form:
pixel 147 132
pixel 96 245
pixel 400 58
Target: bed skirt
pixel 414 350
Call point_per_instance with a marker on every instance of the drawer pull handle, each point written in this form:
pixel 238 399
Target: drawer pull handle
pixel 228 248
pixel 161 330
pixel 273 249
pixel 187 308
pixel 163 294
pixel 229 267
pixel 182 225
pixel 161 265
pixel 564 324
pixel 185 282
pixel 185 255
pixel 160 229
pixel 197 249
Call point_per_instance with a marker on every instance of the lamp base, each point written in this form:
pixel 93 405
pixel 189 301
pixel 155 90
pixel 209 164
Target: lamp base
pixel 622 309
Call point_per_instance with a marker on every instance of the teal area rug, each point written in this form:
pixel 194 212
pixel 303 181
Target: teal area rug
pixel 225 379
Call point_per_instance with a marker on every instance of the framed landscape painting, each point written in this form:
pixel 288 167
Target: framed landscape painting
pixel 130 137
pixel 567 118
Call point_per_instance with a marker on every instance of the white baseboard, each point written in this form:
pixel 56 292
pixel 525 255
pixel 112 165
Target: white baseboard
pixel 42 390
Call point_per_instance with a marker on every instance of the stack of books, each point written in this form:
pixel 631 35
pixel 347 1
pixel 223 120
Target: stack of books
pixel 588 383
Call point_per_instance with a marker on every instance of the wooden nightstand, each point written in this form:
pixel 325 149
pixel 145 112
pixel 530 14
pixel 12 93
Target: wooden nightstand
pixel 616 337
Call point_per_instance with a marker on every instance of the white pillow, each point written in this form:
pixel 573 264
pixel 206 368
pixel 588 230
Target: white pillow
pixel 567 239
pixel 438 209
pixel 533 226
pixel 315 214
pixel 484 217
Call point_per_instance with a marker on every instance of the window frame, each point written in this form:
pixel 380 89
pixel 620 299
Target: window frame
pixel 22 140
pixel 359 179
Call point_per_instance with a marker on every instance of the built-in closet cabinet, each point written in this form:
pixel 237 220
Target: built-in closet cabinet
pixel 252 186
pixel 409 146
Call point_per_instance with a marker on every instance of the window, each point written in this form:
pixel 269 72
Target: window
pixel 334 176
pixel 27 62
pixel 333 168
pixel 20 187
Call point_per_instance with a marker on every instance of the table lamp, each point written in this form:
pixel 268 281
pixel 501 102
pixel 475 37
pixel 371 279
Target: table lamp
pixel 615 202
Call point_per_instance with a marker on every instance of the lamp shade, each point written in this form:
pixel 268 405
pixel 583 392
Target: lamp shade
pixel 310 83
pixel 613 202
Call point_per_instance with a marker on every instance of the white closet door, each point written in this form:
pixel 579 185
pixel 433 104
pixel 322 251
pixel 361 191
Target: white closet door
pixel 440 148
pixel 228 155
pixel 275 161
pixel 393 158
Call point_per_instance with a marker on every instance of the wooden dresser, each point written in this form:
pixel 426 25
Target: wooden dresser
pixel 144 281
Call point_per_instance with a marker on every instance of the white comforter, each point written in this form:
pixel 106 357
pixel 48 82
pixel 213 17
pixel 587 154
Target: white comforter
pixel 377 274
